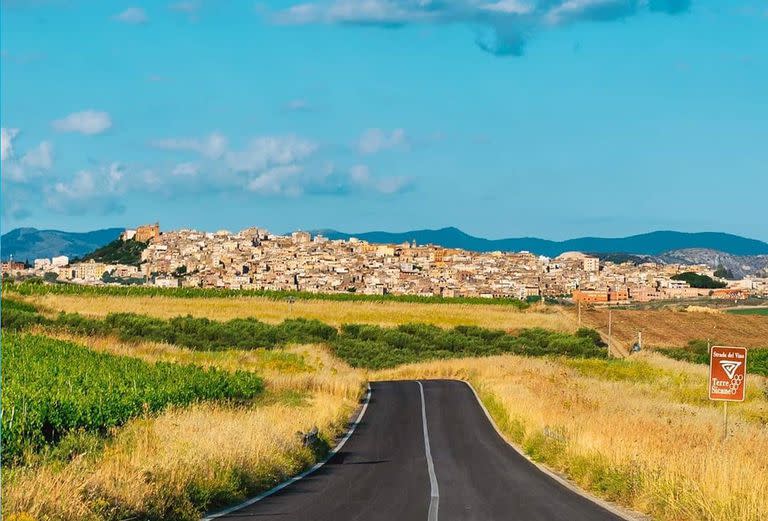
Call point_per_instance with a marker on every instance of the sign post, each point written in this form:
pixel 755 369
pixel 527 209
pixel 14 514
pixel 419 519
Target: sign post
pixel 727 377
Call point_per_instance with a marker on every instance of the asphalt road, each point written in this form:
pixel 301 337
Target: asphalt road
pixel 389 470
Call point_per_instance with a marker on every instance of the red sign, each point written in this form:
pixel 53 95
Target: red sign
pixel 727 373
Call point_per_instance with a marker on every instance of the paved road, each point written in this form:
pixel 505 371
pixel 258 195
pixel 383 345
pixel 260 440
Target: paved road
pixel 390 471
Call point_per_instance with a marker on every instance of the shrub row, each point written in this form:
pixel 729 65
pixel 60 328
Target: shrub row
pixel 374 347
pixel 18 315
pixel 199 333
pixel 52 387
pixel 360 345
pixel 697 352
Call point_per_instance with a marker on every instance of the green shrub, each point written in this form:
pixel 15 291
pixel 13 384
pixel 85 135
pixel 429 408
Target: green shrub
pixel 697 352
pixel 374 347
pixel 18 315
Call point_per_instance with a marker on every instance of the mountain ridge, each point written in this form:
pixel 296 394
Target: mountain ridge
pixel 31 243
pixel 652 243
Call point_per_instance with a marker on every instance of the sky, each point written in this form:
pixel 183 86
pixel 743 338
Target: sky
pixel 505 118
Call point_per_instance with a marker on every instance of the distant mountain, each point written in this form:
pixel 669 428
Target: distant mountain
pixel 31 243
pixel 738 265
pixel 654 243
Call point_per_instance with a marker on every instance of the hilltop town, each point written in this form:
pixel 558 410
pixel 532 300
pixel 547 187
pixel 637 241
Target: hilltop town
pixel 257 259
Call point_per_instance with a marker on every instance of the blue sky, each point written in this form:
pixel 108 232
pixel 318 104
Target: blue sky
pixel 550 118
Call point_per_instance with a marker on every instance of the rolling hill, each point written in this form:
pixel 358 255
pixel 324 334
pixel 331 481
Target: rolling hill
pixel 653 243
pixel 31 243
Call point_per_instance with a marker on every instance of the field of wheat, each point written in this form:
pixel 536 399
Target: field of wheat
pixel 640 433
pixel 330 312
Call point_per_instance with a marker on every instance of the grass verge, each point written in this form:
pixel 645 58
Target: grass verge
pixel 632 432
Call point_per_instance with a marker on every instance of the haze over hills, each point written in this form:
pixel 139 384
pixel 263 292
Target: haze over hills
pixel 731 250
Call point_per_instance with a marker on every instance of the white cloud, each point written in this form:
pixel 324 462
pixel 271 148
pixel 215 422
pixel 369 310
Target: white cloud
pixel 213 146
pixel 20 168
pixel 39 157
pixel 263 152
pixel 503 25
pixel 7 135
pixel 132 15
pixel 89 191
pixel 375 140
pixel 280 180
pixel 87 122
pixel 360 176
pixel 509 7
pixel 185 169
pixel 392 185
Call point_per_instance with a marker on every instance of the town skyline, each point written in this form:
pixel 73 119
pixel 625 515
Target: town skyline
pixel 256 259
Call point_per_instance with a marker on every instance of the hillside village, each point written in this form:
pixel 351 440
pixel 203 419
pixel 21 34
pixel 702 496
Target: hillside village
pixel 257 259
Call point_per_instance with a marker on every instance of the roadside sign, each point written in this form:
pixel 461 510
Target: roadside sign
pixel 727 373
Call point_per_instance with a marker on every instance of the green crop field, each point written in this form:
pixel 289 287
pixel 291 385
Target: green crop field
pixel 51 388
pixel 37 287
pixel 749 311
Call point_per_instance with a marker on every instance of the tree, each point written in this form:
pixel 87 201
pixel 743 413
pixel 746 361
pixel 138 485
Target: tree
pixel 723 273
pixel 699 281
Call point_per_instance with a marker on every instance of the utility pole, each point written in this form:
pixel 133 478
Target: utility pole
pixel 579 314
pixel 610 330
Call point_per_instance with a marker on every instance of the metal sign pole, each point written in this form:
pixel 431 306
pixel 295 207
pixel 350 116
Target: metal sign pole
pixel 725 421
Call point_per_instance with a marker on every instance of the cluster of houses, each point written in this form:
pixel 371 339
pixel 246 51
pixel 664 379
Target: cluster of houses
pixel 257 259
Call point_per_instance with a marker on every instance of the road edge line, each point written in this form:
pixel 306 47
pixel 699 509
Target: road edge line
pixel 434 495
pixel 627 516
pixel 294 479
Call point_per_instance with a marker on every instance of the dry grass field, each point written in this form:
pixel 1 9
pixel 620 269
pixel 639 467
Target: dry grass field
pixel 661 328
pixel 637 432
pixel 670 328
pixel 164 467
pixel 330 312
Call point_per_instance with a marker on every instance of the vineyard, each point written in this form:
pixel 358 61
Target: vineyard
pixel 52 388
pixel 37 287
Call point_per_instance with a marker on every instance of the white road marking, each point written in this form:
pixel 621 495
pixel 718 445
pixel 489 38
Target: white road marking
pixel 434 498
pixel 294 479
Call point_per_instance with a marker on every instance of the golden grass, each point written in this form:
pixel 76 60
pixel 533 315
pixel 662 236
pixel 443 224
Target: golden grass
pixel 670 328
pixel 637 432
pixel 331 312
pixel 168 466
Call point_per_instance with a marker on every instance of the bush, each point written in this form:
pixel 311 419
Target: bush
pixel 591 334
pixel 374 347
pixel 697 352
pixel 18 315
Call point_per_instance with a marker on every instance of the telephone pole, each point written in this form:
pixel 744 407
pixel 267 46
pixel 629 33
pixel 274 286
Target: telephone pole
pixel 579 314
pixel 610 330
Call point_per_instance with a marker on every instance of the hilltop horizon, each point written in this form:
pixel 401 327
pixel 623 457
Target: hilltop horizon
pixel 32 242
